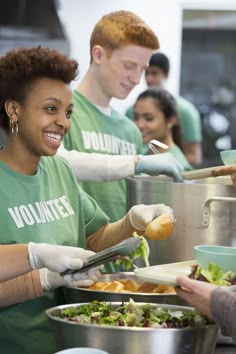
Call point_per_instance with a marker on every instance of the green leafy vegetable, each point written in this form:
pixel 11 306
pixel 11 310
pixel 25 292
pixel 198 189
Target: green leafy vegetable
pixel 213 274
pixel 132 315
pixel 141 252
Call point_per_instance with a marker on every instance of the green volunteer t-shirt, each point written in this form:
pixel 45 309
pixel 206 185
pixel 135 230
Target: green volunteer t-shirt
pixel 48 207
pixel 95 132
pixel 179 155
pixel 190 120
pixel 130 113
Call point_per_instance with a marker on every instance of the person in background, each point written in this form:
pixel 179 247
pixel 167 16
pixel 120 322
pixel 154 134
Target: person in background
pixel 121 45
pixel 215 302
pixel 41 200
pixel 156 75
pixel 155 114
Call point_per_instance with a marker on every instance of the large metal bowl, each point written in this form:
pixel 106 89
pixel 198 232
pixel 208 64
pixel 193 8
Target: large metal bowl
pixel 125 340
pixel 74 294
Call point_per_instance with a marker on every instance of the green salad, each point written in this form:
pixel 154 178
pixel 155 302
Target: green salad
pixel 132 315
pixel 142 251
pixel 213 274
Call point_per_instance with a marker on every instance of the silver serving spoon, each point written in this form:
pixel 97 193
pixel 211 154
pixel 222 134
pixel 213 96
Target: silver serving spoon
pixel 154 142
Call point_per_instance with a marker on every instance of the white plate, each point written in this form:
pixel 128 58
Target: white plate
pixel 201 173
pixel 166 273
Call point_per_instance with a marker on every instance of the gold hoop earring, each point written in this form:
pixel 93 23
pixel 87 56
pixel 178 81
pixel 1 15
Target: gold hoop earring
pixel 14 128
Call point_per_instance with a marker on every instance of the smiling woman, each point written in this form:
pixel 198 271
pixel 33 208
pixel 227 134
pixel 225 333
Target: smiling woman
pixel 35 110
pixel 155 114
pixel 34 120
pixel 41 201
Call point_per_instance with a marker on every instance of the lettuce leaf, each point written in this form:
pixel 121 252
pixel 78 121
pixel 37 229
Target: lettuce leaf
pixel 142 252
pixel 213 274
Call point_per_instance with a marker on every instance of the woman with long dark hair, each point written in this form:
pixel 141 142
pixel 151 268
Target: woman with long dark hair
pixel 155 114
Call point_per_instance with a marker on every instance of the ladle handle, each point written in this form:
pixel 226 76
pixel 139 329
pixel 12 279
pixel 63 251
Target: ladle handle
pixel 154 150
pixel 206 209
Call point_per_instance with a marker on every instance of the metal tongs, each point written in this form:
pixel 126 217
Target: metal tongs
pixel 154 142
pixel 124 248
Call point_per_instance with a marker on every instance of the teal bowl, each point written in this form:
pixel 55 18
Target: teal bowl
pixel 224 256
pixel 228 157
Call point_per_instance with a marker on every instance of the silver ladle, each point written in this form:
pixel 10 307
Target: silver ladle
pixel 154 142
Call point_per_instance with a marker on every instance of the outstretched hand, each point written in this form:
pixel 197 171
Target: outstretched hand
pixel 196 293
pixel 162 164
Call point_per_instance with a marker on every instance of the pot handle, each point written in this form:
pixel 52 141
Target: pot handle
pixel 206 208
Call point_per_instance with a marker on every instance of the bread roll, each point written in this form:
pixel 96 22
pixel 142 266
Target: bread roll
pixel 128 286
pixel 169 290
pixel 131 285
pixel 160 228
pixel 146 288
pixel 114 286
pixel 123 281
pixel 100 285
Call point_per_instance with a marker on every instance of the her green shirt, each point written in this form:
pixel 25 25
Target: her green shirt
pixel 47 207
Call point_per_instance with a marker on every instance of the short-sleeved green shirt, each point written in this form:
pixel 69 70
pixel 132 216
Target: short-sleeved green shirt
pixel 190 120
pixel 129 113
pixel 48 207
pixel 179 155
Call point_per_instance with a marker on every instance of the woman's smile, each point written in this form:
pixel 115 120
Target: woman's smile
pixel 54 139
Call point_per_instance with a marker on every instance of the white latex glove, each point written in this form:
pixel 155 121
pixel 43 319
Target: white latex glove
pixel 141 215
pixel 56 258
pixel 87 166
pixel 51 280
pixel 162 164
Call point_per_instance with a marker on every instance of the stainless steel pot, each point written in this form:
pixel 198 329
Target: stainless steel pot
pixel 124 340
pixel 205 212
pixel 75 294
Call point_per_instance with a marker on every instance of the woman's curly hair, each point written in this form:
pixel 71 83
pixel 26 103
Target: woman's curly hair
pixel 20 68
